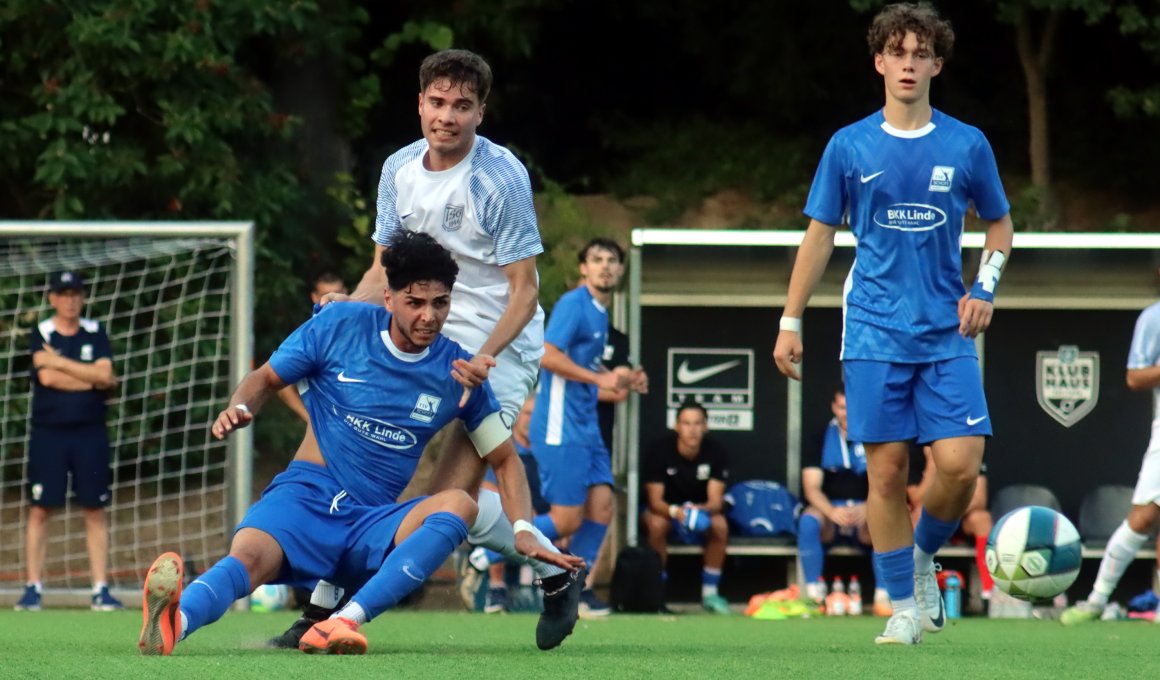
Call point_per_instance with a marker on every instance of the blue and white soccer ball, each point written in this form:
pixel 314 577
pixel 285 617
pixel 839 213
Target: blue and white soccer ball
pixel 1033 553
pixel 270 598
pixel 696 520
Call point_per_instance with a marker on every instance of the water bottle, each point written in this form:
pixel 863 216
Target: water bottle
pixel 953 596
pixel 837 601
pixel 855 606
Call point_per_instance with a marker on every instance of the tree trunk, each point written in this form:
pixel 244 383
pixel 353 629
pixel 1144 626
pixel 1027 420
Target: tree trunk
pixel 1035 58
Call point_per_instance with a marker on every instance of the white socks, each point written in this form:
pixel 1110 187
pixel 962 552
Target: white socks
pixel 326 595
pixel 353 612
pixel 1121 550
pixel 493 530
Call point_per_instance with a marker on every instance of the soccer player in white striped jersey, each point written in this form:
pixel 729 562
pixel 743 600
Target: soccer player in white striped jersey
pixel 902 179
pixel 475 198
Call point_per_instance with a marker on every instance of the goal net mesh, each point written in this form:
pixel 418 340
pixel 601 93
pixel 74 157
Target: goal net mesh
pixel 165 305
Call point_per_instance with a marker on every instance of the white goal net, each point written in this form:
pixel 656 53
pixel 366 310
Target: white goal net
pixel 175 301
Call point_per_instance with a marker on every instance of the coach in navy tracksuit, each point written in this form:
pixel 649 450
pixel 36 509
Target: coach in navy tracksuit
pixel 72 369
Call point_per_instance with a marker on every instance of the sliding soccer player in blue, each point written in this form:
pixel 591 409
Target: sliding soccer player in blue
pixel 902 179
pixel 379 387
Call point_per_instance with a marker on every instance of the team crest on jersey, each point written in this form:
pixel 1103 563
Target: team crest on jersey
pixel 1067 383
pixel 452 217
pixel 86 352
pixel 941 178
pixel 426 406
pixel 703 471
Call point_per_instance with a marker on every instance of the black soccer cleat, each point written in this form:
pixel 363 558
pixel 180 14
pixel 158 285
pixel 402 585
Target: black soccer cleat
pixel 311 615
pixel 561 607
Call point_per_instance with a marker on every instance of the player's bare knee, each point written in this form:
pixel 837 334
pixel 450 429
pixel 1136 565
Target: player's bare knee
pixel 1142 518
pixel 459 503
pixel 719 528
pixel 567 519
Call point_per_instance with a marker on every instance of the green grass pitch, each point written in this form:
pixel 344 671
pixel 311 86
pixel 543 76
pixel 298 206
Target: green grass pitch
pixel 82 644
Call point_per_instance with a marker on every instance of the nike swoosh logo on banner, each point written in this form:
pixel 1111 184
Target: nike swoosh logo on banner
pixel 975 421
pixel 867 178
pixel 689 376
pixel 342 378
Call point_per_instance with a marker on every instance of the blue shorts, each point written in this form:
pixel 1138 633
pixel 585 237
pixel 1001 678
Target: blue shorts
pixel 567 472
pixel 324 534
pixel 533 472
pixel 681 534
pixel 889 402
pixel 54 452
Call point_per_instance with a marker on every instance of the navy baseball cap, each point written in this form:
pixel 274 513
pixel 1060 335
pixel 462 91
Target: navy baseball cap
pixel 65 281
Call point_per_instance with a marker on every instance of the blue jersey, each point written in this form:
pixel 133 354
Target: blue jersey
pixel 905 196
pixel 565 409
pixel 373 407
pixel 62 407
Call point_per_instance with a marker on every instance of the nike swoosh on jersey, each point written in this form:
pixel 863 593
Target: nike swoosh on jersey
pixel 867 178
pixel 689 376
pixel 403 218
pixel 342 378
pixel 975 421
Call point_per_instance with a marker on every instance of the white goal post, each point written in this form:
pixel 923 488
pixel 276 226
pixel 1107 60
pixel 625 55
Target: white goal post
pixel 176 300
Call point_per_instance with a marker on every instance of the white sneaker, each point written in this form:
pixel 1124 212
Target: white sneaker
pixel 903 628
pixel 929 599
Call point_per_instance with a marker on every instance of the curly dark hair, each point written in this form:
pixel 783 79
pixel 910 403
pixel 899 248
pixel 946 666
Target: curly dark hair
pixel 889 29
pixel 461 67
pixel 414 256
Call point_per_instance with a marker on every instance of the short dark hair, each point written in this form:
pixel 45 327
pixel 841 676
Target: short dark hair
pixel 328 278
pixel 889 28
pixel 692 404
pixel 839 389
pixel 414 256
pixel 461 67
pixel 604 244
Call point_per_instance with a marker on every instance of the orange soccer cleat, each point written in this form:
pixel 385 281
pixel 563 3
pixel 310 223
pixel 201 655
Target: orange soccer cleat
pixel 159 606
pixel 337 635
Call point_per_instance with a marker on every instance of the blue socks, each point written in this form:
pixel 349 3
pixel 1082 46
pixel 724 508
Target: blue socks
pixel 211 594
pixel 897 570
pixel 546 526
pixel 932 533
pixel 810 547
pixel 587 539
pixel 411 562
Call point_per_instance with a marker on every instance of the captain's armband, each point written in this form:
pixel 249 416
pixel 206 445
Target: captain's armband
pixel 491 433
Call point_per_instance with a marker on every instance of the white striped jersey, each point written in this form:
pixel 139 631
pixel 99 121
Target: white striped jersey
pixel 481 210
pixel 565 412
pixel 1144 353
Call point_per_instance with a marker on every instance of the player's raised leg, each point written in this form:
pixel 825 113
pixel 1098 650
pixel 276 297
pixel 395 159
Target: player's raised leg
pixel 423 539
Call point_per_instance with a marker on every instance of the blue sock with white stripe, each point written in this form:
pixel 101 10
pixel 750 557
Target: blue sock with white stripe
pixel 211 594
pixel 411 562
pixel 930 534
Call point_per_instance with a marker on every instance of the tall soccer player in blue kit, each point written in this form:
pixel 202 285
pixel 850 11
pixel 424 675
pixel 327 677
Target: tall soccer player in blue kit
pixel 902 179
pixel 379 386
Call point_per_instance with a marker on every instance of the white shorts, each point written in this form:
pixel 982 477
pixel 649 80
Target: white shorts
pixel 1148 483
pixel 512 380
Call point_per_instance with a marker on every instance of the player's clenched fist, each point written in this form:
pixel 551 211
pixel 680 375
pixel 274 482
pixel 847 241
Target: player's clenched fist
pixel 233 418
pixel 788 352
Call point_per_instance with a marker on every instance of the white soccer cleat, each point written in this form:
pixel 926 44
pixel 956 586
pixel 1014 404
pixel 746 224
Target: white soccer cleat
pixel 929 599
pixel 903 628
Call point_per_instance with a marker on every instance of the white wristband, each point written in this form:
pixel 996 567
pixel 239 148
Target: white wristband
pixel 523 525
pixel 674 511
pixel 990 269
pixel 791 324
pixel 243 408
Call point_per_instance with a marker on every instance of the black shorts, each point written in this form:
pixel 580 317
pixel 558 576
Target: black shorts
pixel 53 453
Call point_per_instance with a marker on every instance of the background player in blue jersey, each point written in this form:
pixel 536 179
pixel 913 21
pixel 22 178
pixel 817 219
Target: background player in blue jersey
pixel 575 467
pixel 475 198
pixel 72 368
pixel 902 179
pixel 378 387
pixel 1143 374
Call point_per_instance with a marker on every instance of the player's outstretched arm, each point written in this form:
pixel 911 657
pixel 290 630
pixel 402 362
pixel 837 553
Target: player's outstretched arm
pixel 808 267
pixel 247 400
pixel 516 497
pixel 977 305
